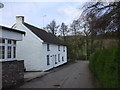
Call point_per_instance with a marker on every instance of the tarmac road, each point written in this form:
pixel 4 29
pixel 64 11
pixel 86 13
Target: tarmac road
pixel 76 75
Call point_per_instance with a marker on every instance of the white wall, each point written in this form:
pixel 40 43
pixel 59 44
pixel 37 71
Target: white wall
pixel 30 50
pixel 10 35
pixel 34 52
pixel 53 51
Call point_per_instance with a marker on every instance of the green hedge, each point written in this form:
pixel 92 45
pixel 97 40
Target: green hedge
pixel 105 64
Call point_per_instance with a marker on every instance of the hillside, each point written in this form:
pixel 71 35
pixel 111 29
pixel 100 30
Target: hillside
pixel 77 45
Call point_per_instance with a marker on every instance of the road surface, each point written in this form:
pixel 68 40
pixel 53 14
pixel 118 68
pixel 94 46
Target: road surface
pixel 76 75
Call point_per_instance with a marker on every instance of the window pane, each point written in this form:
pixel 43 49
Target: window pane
pixel 14 42
pixel 63 48
pixel 2 52
pixel 48 61
pixel 9 41
pixel 48 47
pixel 14 52
pixel 58 57
pixel 58 47
pixel 2 40
pixel 55 59
pixel 62 58
pixel 9 52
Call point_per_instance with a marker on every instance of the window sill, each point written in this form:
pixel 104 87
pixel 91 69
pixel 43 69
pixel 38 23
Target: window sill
pixel 4 60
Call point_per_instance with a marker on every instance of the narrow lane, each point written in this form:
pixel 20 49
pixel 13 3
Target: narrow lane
pixel 76 75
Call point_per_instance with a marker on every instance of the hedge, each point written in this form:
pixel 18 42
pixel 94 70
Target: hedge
pixel 105 64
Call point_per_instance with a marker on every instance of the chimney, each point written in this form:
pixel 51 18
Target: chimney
pixel 19 19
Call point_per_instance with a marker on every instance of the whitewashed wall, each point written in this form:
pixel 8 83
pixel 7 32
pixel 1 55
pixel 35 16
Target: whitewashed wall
pixel 30 50
pixel 10 35
pixel 53 51
pixel 34 52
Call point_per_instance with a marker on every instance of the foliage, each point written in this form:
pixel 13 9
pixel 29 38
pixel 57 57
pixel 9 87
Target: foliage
pixel 76 47
pixel 76 42
pixel 105 65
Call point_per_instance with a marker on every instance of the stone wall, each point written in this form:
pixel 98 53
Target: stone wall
pixel 12 73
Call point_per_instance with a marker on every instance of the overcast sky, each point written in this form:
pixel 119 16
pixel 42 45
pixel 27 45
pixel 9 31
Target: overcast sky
pixel 39 13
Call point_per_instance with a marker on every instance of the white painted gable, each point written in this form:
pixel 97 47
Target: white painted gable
pixel 34 52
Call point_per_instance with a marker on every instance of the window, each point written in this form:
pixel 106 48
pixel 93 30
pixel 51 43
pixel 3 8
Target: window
pixel 48 60
pixel 55 59
pixel 9 52
pixel 14 42
pixel 11 49
pixel 9 41
pixel 2 48
pixel 58 57
pixel 2 52
pixel 62 58
pixel 58 47
pixel 14 49
pixel 14 52
pixel 63 48
pixel 2 40
pixel 8 46
pixel 48 47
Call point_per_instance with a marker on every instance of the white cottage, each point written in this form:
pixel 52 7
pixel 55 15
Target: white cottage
pixel 8 38
pixel 40 50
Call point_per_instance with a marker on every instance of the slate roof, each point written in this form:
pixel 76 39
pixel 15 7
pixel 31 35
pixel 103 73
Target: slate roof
pixel 10 29
pixel 45 36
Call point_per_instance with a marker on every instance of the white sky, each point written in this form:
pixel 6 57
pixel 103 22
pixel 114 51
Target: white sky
pixel 39 13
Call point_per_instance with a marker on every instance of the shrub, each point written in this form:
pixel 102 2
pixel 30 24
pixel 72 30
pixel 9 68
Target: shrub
pixel 105 65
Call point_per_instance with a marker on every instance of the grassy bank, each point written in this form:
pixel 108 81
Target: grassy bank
pixel 105 64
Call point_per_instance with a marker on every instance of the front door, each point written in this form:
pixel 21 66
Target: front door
pixel 53 60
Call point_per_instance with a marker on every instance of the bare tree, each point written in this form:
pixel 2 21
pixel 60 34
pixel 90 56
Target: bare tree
pixel 75 28
pixel 78 42
pixel 53 27
pixel 105 15
pixel 98 18
pixel 64 30
pixel 86 32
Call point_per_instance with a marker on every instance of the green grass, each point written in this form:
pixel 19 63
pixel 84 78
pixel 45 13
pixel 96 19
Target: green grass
pixel 105 65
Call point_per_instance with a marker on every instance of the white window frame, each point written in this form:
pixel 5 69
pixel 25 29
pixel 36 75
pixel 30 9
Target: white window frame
pixel 12 45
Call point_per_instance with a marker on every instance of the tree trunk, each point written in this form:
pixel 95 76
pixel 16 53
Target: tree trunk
pixel 87 48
